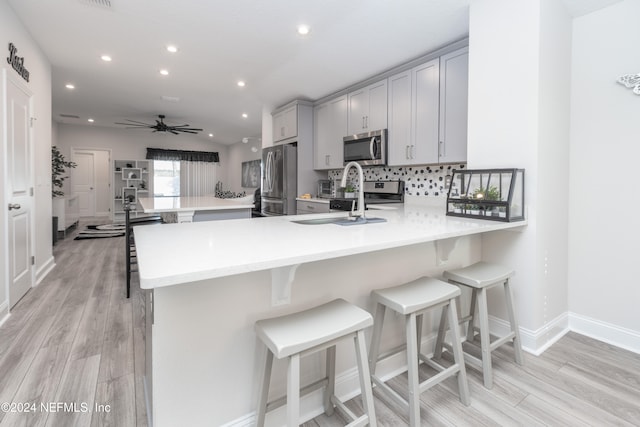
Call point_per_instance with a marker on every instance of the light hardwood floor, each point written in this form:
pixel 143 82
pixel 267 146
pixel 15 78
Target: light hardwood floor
pixel 76 338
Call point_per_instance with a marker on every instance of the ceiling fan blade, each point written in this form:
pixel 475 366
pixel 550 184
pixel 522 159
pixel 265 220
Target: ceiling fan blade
pixel 173 132
pixel 187 131
pixel 136 121
pixel 133 124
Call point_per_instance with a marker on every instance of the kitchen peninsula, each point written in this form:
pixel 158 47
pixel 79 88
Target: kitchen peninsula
pixel 201 208
pixel 212 280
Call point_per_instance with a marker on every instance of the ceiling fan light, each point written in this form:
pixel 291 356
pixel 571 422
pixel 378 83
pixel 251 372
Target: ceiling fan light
pixel 106 58
pixel 172 48
pixel 164 72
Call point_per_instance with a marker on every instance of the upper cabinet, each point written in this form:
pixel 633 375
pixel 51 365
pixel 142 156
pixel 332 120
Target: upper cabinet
pixel 428 112
pixel 368 108
pixel 454 92
pixel 329 127
pixel 285 123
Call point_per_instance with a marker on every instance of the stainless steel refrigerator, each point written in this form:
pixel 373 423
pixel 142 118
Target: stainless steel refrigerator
pixel 279 175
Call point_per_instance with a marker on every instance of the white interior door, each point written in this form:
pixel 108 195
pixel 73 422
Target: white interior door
pixel 83 181
pixel 81 177
pixel 20 192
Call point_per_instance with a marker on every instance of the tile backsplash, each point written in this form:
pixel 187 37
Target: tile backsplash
pixel 420 180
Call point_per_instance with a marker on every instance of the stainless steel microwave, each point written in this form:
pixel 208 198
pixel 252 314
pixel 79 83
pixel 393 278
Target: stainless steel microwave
pixel 368 149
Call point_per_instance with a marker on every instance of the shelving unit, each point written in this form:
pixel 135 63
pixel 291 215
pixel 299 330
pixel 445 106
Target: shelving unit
pixel 131 179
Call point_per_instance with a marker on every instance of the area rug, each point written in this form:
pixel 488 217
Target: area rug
pixel 101 231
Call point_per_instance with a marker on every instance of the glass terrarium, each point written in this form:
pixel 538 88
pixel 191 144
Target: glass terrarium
pixel 495 194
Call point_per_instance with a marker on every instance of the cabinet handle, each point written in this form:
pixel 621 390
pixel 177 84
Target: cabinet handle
pixel 14 206
pixel 413 151
pixel 441 149
pixel 282 131
pixel 326 160
pixel 366 122
pixel 362 122
pixel 406 154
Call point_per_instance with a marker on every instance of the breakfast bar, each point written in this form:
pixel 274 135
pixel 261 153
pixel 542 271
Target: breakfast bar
pixel 199 208
pixel 217 278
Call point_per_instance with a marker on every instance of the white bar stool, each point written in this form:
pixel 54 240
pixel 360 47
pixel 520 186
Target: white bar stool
pixel 480 277
pixel 298 334
pixel 412 300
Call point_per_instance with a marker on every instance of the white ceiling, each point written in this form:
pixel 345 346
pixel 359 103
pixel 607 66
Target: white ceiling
pixel 221 42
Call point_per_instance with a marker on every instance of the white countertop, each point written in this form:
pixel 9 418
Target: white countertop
pixel 190 204
pixel 171 254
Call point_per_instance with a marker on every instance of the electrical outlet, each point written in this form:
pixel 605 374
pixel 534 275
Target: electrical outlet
pixel 447 181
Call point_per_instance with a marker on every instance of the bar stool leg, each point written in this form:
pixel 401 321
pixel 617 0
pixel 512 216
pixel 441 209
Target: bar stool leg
pixel 472 312
pixel 442 330
pixel 412 363
pixel 517 344
pixel 331 380
pixel 458 356
pixel 293 390
pixel 365 378
pixel 419 318
pixel 485 343
pixel 374 349
pixel 264 390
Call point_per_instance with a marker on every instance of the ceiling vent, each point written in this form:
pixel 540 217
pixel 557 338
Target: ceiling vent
pixel 69 116
pixel 103 4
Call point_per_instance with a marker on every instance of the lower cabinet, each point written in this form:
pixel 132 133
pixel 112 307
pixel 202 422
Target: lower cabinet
pixel 312 206
pixel 67 210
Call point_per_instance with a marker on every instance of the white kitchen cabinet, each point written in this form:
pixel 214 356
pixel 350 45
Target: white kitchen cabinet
pixel 413 115
pixel 312 206
pixel 454 91
pixel 285 123
pixel 329 127
pixel 131 179
pixel 428 112
pixel 368 108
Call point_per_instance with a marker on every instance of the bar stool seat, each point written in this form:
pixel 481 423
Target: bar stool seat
pixel 480 277
pixel 305 332
pixel 412 300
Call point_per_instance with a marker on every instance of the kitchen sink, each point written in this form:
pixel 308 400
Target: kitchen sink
pixel 338 221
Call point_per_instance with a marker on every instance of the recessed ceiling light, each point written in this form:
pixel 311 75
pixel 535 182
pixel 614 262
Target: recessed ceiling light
pixel 171 48
pixel 90 120
pixel 106 58
pixel 210 135
pixel 164 72
pixel 241 83
pixel 245 140
pixel 69 86
pixel 245 115
pixel 303 30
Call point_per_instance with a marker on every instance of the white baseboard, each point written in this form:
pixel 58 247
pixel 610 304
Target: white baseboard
pixel 4 311
pixel 606 332
pixel 45 269
pixel 534 341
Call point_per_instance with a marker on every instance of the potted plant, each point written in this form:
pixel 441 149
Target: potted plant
pixel 488 193
pixel 58 169
pixel 349 192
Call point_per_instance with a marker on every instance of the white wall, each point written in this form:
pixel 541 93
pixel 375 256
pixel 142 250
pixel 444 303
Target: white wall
pixel 132 144
pixel 12 31
pixel 519 70
pixel 605 136
pixel 238 153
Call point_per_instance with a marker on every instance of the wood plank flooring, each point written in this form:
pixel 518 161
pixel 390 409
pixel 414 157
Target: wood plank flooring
pixel 72 341
pixel 77 340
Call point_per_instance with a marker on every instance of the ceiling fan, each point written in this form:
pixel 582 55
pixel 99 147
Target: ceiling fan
pixel 160 126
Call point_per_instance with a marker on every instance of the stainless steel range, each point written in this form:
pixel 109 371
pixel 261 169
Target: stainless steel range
pixel 375 192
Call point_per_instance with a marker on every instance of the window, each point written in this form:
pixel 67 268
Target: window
pixel 166 178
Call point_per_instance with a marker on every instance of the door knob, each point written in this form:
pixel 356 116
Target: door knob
pixel 14 206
